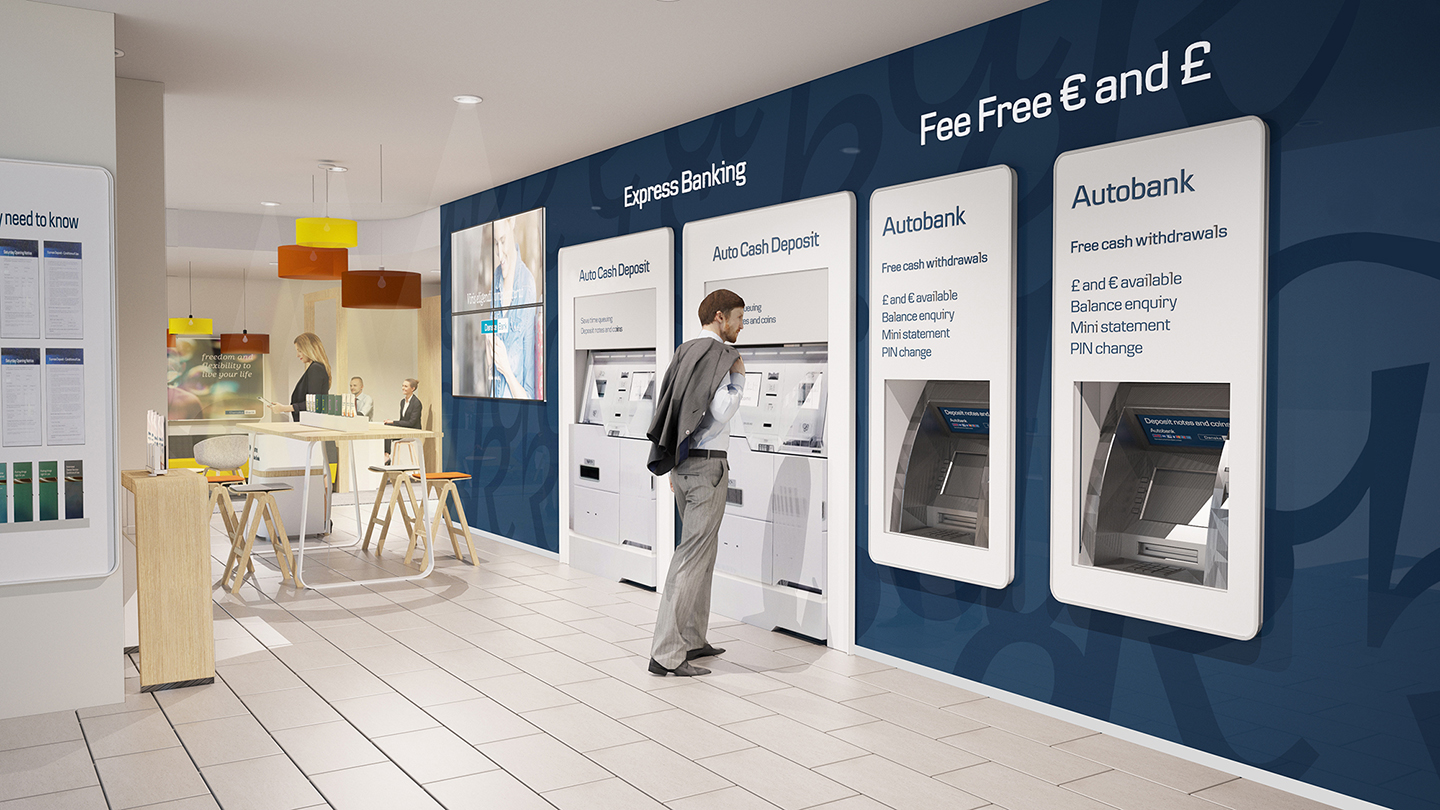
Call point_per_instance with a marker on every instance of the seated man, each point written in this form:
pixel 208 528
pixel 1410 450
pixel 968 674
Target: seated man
pixel 364 403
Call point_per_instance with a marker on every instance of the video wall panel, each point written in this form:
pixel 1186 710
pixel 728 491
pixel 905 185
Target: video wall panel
pixel 498 308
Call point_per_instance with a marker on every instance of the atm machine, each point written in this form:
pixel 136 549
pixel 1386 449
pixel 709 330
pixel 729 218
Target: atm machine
pixel 774 532
pixel 1156 498
pixel 942 482
pixel 612 493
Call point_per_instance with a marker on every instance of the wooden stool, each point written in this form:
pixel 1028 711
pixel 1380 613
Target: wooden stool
pixel 220 494
pixel 259 501
pixel 395 477
pixel 442 485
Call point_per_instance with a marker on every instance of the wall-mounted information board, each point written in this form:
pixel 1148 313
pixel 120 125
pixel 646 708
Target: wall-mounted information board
pixel 57 386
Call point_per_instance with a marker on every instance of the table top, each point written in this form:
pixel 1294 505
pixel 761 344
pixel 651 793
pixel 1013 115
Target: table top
pixel 311 433
pixel 175 477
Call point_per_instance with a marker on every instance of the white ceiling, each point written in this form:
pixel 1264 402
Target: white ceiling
pixel 258 92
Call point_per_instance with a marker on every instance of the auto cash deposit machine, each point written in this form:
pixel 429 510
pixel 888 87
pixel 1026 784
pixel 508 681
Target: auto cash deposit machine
pixel 786 541
pixel 616 311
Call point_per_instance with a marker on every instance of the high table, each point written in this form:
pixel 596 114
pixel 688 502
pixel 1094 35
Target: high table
pixel 313 435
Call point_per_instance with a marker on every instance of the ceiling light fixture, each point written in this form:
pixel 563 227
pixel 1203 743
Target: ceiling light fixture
pixel 119 53
pixel 325 232
pixel 192 325
pixel 245 343
pixel 269 203
pixel 380 289
pixel 468 99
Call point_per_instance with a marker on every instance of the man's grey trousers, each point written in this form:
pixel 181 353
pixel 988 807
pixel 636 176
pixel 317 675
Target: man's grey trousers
pixel 684 616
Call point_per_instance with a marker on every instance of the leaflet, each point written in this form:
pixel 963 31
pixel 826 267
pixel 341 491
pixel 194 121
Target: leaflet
pixel 49 490
pixel 64 311
pixel 19 288
pixel 65 391
pixel 24 492
pixel 20 399
pixel 74 490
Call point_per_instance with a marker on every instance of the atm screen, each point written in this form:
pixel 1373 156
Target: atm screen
pixel 1185 431
pixel 966 420
pixel 751 395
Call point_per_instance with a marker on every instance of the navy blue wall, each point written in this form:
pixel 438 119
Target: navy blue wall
pixel 1342 687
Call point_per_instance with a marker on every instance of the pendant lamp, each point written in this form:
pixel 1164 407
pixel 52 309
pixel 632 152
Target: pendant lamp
pixel 170 340
pixel 380 289
pixel 300 262
pixel 192 325
pixel 245 343
pixel 327 232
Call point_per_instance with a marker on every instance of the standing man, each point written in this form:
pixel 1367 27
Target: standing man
pixel 364 403
pixel 690 435
pixel 410 408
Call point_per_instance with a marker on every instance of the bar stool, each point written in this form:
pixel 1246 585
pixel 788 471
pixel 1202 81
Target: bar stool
pixel 396 477
pixel 442 486
pixel 259 505
pixel 222 457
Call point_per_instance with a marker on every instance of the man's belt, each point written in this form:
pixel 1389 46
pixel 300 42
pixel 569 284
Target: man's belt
pixel 707 454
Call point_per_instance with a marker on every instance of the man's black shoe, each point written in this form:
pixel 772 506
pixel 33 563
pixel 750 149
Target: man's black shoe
pixel 703 652
pixel 685 670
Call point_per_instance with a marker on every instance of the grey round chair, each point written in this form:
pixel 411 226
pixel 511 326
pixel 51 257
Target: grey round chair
pixel 223 453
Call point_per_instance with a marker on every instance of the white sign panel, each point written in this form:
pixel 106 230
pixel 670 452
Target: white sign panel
pixel 1159 377
pixel 617 320
pixel 781 308
pixel 942 376
pixel 57 395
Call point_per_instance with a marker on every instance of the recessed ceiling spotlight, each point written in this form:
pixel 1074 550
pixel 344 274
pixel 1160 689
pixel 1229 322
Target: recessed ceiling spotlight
pixel 119 53
pixel 468 99
pixel 269 203
pixel 849 150
pixel 332 167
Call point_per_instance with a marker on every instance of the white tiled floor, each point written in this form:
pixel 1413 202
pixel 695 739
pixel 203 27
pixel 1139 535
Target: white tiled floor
pixel 521 683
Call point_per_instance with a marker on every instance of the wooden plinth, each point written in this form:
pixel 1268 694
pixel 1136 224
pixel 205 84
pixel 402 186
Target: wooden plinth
pixel 172 570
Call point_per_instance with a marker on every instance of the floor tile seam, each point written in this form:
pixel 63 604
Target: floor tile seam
pixel 210 789
pixel 1229 777
pixel 104 794
pixel 695 762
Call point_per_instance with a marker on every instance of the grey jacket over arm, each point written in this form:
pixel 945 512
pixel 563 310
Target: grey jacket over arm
pixel 694 375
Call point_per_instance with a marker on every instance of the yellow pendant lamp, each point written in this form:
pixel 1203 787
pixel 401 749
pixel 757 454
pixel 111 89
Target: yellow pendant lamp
pixel 192 325
pixel 327 231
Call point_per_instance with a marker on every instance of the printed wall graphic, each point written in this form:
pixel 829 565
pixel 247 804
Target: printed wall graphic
pixel 1337 687
pixel 205 384
pixel 942 373
pixel 1159 362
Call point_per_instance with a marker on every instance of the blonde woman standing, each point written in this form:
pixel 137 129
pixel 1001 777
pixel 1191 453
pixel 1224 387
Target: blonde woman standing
pixel 315 380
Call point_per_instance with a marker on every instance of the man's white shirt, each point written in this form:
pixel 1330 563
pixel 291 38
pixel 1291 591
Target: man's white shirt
pixel 714 430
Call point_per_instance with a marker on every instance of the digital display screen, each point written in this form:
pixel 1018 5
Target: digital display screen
pixel 1185 431
pixel 965 420
pixel 497 308
pixel 205 384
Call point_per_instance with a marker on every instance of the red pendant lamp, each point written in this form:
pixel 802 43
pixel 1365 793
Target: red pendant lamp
pixel 380 289
pixel 245 343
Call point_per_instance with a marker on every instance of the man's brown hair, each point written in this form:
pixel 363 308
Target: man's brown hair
pixel 721 301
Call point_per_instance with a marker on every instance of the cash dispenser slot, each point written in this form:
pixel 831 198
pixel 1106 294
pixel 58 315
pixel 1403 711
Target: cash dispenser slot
pixel 1157 491
pixel 942 479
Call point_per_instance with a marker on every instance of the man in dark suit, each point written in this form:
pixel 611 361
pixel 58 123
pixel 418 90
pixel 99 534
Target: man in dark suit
pixel 410 409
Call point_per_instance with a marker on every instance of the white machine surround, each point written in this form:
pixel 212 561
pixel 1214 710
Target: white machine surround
pixel 1158 367
pixel 781 563
pixel 942 293
pixel 616 339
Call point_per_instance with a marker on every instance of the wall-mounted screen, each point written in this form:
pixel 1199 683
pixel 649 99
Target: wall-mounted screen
pixel 1184 431
pixel 205 384
pixel 966 420
pixel 498 308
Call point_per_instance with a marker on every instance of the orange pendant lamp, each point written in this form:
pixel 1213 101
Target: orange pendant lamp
pixel 312 263
pixel 245 343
